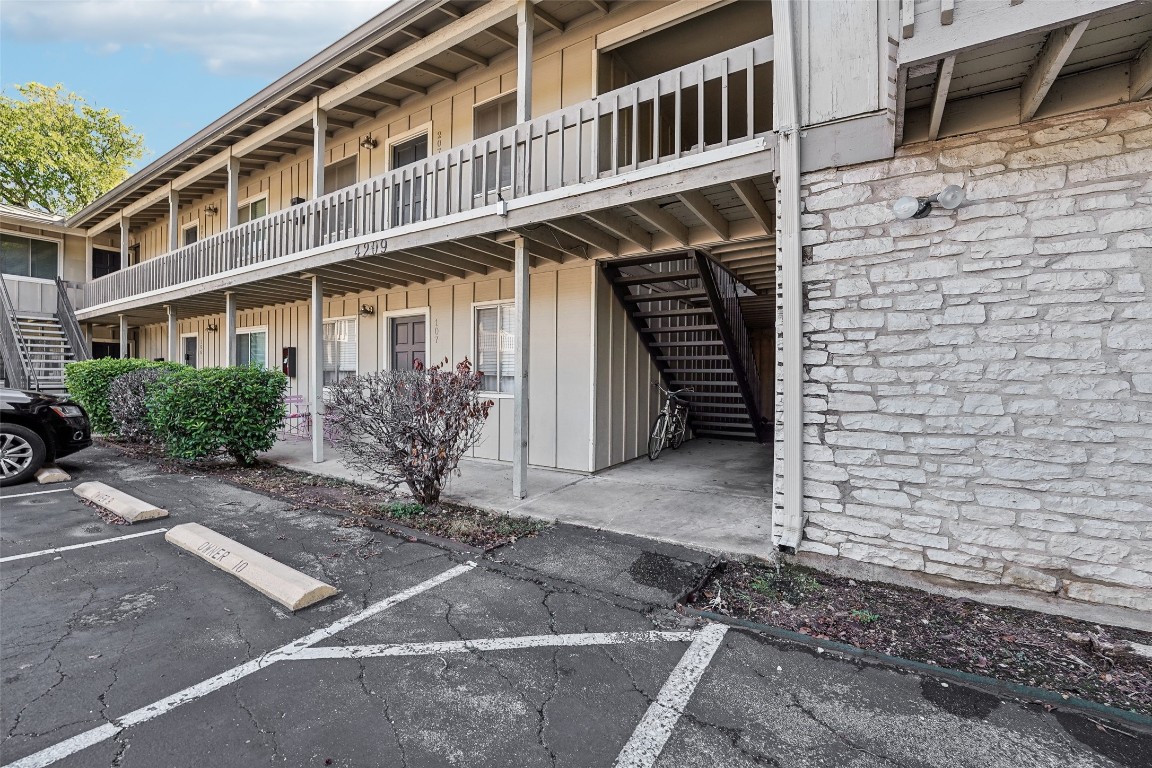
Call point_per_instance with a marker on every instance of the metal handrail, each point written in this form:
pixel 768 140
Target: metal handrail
pixel 67 317
pixel 13 344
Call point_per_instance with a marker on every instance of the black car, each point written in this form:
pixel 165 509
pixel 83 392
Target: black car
pixel 37 428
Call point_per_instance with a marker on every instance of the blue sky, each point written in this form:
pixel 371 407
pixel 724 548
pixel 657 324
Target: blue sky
pixel 169 67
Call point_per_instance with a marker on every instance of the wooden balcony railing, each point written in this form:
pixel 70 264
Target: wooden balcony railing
pixel 709 104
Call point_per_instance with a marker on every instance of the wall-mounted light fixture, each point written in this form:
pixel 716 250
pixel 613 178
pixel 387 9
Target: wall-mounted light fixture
pixel 369 143
pixel 211 209
pixel 296 200
pixel 949 198
pixel 367 310
pixel 211 327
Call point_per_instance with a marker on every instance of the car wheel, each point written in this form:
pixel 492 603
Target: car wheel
pixel 22 453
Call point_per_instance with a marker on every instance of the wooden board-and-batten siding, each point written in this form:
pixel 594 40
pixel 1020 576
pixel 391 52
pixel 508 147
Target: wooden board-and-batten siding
pixel 560 363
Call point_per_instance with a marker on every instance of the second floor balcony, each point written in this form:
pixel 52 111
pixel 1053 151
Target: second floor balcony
pixel 665 127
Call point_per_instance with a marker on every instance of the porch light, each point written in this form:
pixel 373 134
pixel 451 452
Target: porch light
pixel 211 209
pixel 949 198
pixel 367 310
pixel 211 327
pixel 369 143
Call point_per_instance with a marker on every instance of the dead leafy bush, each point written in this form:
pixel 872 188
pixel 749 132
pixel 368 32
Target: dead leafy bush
pixel 408 427
pixel 128 403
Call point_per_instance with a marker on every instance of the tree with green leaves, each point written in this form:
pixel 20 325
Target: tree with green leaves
pixel 58 153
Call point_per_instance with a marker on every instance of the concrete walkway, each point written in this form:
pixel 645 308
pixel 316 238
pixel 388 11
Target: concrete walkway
pixel 710 494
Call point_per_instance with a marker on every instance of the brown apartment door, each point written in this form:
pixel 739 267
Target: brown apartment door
pixel 407 342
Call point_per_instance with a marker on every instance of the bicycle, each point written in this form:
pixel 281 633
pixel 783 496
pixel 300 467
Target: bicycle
pixel 671 425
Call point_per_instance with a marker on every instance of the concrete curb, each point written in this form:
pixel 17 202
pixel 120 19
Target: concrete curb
pixel 119 503
pixel 285 585
pixel 1002 688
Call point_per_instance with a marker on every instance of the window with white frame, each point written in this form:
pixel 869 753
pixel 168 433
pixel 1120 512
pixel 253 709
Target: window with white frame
pixel 496 346
pixel 250 210
pixel 340 355
pixel 29 256
pixel 252 348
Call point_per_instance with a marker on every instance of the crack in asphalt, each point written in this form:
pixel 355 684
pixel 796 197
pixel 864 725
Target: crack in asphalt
pixel 837 735
pixel 387 713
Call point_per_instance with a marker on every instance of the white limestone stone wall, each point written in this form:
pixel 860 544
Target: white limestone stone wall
pixel 979 383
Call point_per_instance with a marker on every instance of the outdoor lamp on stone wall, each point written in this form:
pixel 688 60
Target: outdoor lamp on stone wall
pixel 949 198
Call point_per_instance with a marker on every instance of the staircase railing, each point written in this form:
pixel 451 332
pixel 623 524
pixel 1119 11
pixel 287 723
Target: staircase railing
pixel 722 289
pixel 13 345
pixel 67 317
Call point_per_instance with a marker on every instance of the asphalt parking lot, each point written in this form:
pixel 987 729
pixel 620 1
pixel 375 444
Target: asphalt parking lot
pixel 558 651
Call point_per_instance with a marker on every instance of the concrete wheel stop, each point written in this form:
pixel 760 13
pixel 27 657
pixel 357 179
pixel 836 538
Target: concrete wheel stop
pixel 50 473
pixel 129 508
pixel 273 579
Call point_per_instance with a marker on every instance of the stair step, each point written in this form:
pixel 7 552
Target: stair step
pixel 656 277
pixel 673 369
pixel 665 296
pixel 702 382
pixel 674 312
pixel 682 329
pixel 692 357
pixel 650 258
pixel 704 343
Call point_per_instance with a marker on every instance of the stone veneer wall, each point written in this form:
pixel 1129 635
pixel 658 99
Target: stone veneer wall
pixel 978 383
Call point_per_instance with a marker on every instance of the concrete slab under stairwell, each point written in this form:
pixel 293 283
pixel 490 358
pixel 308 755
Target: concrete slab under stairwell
pixel 710 494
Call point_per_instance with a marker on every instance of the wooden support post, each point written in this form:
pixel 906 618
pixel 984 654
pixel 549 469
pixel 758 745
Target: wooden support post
pixel 229 328
pixel 319 149
pixel 940 95
pixel 125 223
pixel 123 337
pixel 233 192
pixel 173 334
pixel 316 367
pixel 520 387
pixel 173 218
pixel 1057 48
pixel 525 31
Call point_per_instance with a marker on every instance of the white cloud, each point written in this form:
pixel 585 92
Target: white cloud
pixel 230 37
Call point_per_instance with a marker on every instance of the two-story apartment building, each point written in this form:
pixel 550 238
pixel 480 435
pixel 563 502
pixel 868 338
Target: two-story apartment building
pixel 587 196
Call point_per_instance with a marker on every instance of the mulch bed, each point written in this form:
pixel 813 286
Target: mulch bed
pixel 1070 657
pixel 364 505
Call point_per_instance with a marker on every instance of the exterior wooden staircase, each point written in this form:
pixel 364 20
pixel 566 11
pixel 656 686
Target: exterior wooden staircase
pixel 686 308
pixel 36 346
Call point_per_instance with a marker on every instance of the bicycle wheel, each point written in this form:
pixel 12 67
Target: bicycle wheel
pixel 679 428
pixel 657 437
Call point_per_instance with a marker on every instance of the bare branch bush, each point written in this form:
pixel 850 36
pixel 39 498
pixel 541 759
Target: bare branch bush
pixel 408 427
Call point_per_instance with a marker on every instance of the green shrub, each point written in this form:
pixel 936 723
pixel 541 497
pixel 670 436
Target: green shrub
pixel 127 402
pixel 88 381
pixel 199 413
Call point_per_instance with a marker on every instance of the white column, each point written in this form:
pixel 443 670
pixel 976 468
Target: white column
pixel 173 334
pixel 173 219
pixel 124 224
pixel 525 27
pixel 123 337
pixel 316 367
pixel 788 531
pixel 233 203
pixel 319 150
pixel 229 328
pixel 520 387
pixel 88 259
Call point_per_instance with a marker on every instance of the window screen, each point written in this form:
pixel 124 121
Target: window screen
pixel 28 257
pixel 252 348
pixel 340 356
pixel 496 347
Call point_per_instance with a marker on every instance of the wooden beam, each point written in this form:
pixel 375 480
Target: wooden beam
pixel 621 228
pixel 901 108
pixel 441 40
pixel 439 258
pixel 750 196
pixel 940 95
pixel 468 55
pixel 435 71
pixel 407 86
pixel 907 18
pixel 385 100
pixel 666 15
pixel 547 18
pixel 1141 78
pixel 594 236
pixel 600 5
pixel 947 9
pixel 359 111
pixel 546 246
pixel 501 36
pixel 705 211
pixel 1057 48
pixel 468 253
pixel 661 219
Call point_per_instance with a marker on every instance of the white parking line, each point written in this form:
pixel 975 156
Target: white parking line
pixel 492 644
pixel 649 738
pixel 34 493
pixel 73 745
pixel 80 546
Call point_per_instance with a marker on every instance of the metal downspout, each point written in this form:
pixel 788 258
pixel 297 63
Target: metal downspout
pixel 789 528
